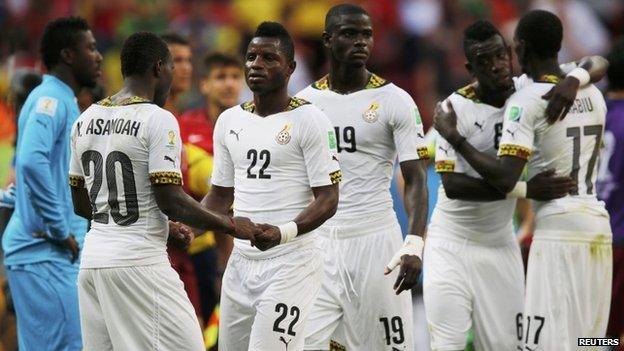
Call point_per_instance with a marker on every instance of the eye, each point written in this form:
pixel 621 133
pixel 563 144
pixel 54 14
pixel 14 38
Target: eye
pixel 368 34
pixel 250 57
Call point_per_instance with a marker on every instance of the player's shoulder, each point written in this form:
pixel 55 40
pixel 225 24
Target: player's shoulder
pixel 464 97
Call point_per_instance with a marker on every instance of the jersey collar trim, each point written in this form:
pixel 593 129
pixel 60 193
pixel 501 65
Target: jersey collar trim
pixel 374 82
pixel 548 78
pixel 293 103
pixel 108 102
pixel 469 92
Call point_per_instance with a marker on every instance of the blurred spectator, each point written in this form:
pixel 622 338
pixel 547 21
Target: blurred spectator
pixel 610 183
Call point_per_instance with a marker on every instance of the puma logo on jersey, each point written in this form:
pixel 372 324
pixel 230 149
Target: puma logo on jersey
pixel 480 126
pixel 232 132
pixel 282 339
pixel 513 133
pixel 446 151
pixel 167 158
pixel 420 135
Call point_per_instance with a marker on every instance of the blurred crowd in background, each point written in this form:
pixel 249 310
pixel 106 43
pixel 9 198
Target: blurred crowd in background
pixel 417 42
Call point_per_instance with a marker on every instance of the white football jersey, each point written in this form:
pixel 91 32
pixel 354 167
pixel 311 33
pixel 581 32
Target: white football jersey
pixel 571 146
pixel 372 126
pixel 486 222
pixel 273 162
pixel 118 152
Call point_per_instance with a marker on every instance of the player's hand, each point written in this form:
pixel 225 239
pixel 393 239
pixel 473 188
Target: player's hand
pixel 180 235
pixel 409 273
pixel 270 237
pixel 445 122
pixel 547 186
pixel 560 99
pixel 408 258
pixel 245 229
pixel 72 245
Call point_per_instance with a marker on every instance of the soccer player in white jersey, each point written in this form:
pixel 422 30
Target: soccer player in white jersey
pixel 375 121
pixel 274 161
pixel 125 178
pixel 569 272
pixel 473 273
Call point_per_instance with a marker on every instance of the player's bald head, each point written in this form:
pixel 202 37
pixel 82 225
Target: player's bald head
pixel 335 13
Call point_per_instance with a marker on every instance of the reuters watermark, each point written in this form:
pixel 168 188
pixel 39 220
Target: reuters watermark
pixel 598 342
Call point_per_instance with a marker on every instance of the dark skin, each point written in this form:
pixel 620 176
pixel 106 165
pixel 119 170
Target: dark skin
pixel 489 62
pixel 503 173
pixel 267 71
pixel 348 41
pixel 170 198
pixel 79 66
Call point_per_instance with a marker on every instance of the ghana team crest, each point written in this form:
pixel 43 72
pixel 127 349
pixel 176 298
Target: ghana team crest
pixel 371 114
pixel 283 137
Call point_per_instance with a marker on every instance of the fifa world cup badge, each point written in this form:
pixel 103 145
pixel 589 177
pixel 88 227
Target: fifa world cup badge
pixel 283 137
pixel 371 114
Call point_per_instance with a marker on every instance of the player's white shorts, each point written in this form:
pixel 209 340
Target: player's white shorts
pixel 265 302
pixel 136 308
pixel 357 309
pixel 568 282
pixel 468 284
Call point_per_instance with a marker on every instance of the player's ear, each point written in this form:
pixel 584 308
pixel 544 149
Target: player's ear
pixel 158 68
pixel 326 37
pixel 68 55
pixel 291 67
pixel 468 66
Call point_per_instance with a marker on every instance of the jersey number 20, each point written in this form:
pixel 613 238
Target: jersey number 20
pixel 127 175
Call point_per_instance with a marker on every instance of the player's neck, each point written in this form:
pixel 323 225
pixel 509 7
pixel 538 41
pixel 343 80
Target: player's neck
pixel 346 79
pixel 496 98
pixel 271 103
pixel 542 67
pixel 64 74
pixel 136 87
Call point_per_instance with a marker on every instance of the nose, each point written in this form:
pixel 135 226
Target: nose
pixel 99 57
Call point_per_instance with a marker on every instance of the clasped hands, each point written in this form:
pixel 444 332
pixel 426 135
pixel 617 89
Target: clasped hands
pixel 263 236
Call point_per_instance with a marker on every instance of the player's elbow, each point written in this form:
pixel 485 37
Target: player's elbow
pixel 330 203
pixel 504 184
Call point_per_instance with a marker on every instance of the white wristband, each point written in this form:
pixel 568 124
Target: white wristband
pixel 519 191
pixel 288 231
pixel 581 74
pixel 413 245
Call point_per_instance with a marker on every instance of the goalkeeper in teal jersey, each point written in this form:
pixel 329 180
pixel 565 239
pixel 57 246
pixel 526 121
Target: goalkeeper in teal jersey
pixel 42 240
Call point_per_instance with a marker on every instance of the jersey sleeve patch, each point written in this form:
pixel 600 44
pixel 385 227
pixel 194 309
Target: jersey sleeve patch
pixel 161 178
pixel 47 105
pixel 335 177
pixel 76 181
pixel 445 166
pixel 423 153
pixel 514 150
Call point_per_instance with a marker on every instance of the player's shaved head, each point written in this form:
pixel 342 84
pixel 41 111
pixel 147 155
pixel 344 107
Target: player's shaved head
pixel 542 33
pixel 333 15
pixel 476 33
pixel 277 31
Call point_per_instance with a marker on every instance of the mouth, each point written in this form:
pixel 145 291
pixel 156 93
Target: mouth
pixel 256 77
pixel 360 54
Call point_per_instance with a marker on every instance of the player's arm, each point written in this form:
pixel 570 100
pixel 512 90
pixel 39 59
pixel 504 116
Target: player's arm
pixel 409 140
pixel 464 187
pixel 180 207
pixel 502 173
pixel 44 127
pixel 589 69
pixel 318 211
